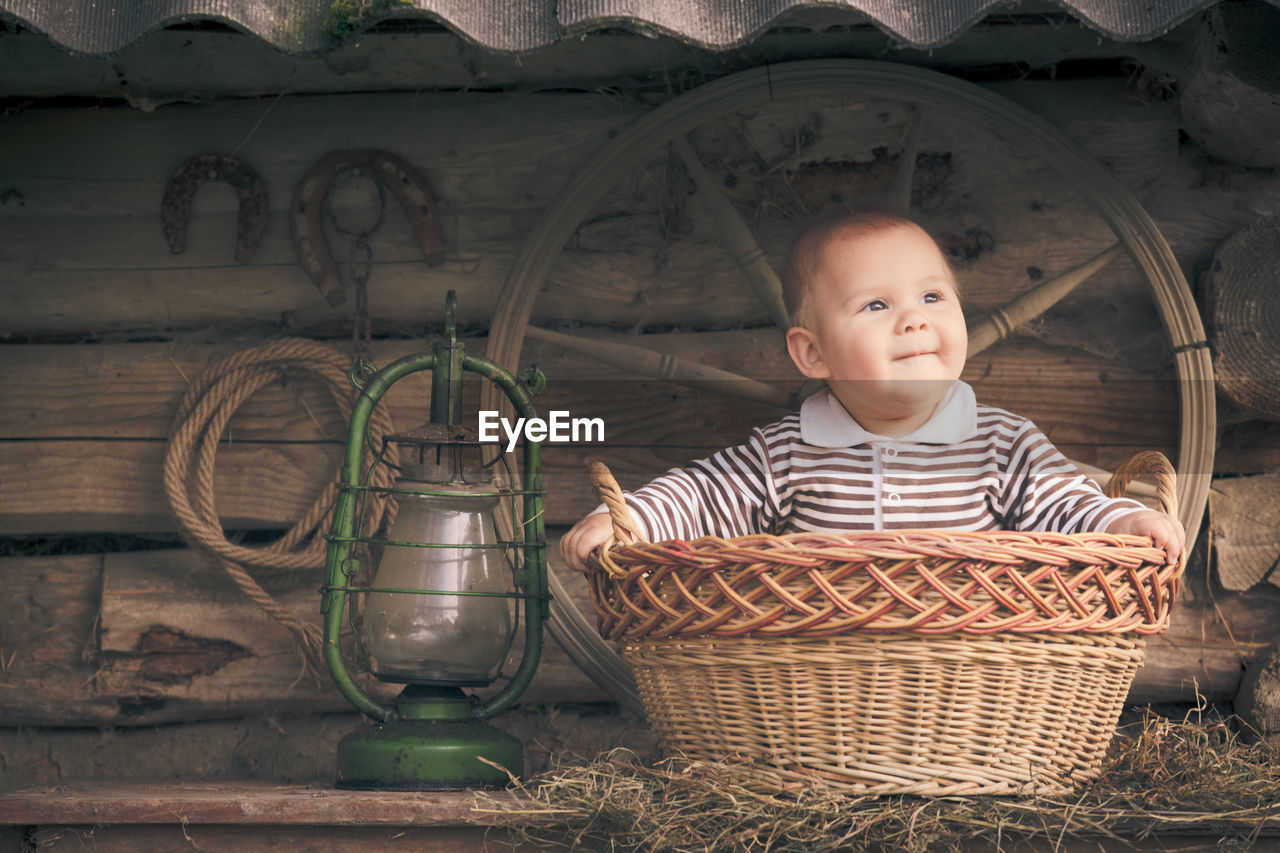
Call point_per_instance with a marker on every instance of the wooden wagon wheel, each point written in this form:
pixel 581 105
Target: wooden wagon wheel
pixel 928 94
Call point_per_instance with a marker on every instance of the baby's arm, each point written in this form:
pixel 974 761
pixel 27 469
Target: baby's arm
pixel 723 495
pixel 1164 529
pixel 1043 490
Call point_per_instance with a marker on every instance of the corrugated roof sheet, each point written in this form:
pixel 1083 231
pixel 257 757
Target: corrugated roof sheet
pixel 100 27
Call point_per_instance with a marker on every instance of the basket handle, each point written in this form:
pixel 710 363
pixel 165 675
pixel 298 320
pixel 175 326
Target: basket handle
pixel 1148 462
pixel 625 529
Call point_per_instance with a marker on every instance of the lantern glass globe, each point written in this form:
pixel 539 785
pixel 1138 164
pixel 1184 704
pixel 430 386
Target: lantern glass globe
pixel 441 639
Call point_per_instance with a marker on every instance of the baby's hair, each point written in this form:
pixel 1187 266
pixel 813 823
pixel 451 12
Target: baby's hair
pixel 801 263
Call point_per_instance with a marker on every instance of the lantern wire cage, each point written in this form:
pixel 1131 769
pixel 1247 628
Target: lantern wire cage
pixel 369 546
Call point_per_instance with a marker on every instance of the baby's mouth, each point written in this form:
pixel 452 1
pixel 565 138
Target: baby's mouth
pixel 913 355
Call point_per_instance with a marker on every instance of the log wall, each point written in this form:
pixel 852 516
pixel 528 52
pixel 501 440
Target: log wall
pixel 105 328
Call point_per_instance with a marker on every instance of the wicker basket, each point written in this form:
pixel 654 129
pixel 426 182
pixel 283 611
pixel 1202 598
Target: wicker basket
pixel 920 662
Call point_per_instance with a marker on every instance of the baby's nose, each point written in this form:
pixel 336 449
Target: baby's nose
pixel 912 321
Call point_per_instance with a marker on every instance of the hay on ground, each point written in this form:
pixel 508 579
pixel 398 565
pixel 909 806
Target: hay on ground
pixel 1186 776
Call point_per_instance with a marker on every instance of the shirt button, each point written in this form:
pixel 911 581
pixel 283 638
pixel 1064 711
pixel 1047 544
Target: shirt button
pixel 891 451
pixel 893 497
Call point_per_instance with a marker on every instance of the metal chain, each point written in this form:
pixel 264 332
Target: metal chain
pixel 359 269
pixel 361 328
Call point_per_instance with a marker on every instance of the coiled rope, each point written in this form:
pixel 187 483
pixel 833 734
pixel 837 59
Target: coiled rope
pixel 189 466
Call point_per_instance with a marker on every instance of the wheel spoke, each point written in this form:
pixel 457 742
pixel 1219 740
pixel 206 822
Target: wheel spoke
pixel 1026 307
pixel 734 234
pixel 646 362
pixel 898 196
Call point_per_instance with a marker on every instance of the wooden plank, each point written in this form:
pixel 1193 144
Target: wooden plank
pixel 249 815
pixel 88 256
pixel 1207 646
pixel 220 838
pixel 130 391
pixel 50 605
pixel 1251 447
pixel 1137 139
pixel 253 803
pixel 175 622
pixel 456 140
pixel 277 747
pixel 110 268
pixel 92 487
pixel 150 637
pixel 117 485
pixel 1197 837
pixel 85 452
pixel 114 680
pixel 94 296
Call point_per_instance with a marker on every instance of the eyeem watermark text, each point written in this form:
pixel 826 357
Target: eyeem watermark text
pixel 558 427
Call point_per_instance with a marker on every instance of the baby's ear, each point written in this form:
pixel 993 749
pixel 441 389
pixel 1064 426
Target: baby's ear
pixel 802 345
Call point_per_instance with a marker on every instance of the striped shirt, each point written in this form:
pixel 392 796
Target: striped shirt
pixel 971 467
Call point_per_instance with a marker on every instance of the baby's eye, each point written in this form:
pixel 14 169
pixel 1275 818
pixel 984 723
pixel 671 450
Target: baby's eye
pixel 931 296
pixel 875 305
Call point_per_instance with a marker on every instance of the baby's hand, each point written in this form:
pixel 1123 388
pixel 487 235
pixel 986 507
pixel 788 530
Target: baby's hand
pixel 1164 529
pixel 583 538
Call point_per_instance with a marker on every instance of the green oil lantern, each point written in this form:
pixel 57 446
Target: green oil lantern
pixel 461 569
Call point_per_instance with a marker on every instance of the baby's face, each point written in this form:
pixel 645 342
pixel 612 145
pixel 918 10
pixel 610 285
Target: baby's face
pixel 885 323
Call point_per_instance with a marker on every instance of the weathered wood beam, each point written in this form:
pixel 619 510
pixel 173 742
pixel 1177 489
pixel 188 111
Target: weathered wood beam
pixel 171 66
pixel 1245 514
pixel 1229 98
pixel 260 487
pixel 1207 646
pixel 87 255
pixel 278 746
pixel 129 391
pixel 84 449
pixel 616 287
pixel 146 637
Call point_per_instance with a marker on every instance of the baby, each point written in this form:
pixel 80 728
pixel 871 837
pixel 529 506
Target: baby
pixel 896 440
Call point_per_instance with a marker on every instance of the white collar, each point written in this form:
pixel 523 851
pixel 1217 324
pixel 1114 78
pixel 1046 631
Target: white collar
pixel 824 422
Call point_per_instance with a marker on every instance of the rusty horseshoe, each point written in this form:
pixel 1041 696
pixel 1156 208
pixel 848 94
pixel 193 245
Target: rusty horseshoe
pixel 175 209
pixel 306 223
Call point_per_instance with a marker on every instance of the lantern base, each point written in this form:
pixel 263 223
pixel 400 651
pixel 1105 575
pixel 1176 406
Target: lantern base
pixel 428 755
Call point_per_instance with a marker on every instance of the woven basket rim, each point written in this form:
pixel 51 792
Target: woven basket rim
pixel 924 580
pixel 877 543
